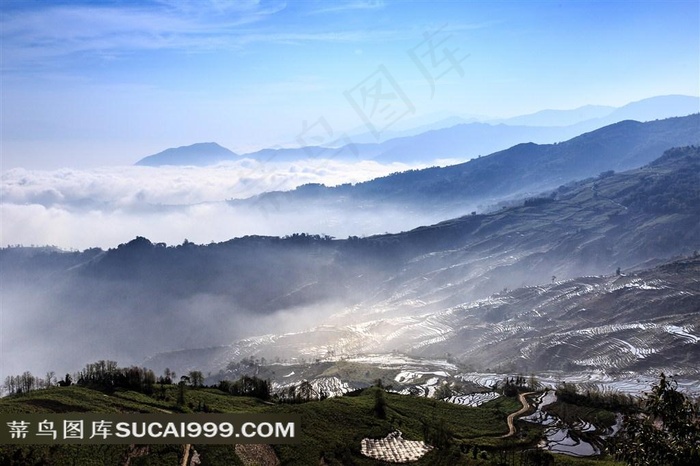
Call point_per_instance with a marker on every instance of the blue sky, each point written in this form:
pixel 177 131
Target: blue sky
pixel 103 83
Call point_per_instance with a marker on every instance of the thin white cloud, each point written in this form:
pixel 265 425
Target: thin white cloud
pixel 301 37
pixel 337 7
pixel 30 37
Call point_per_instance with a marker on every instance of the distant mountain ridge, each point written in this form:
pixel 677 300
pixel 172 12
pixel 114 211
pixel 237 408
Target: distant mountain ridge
pixel 586 118
pixel 424 305
pixel 560 117
pixel 221 292
pixel 451 138
pixel 522 169
pixel 203 153
pixel 652 108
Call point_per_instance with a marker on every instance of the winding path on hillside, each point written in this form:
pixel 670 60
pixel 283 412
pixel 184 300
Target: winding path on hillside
pixel 512 416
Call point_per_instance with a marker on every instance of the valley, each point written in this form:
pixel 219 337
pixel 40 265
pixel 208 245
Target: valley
pixel 352 232
pixel 592 285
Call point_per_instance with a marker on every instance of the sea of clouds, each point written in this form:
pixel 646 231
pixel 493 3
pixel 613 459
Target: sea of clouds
pixel 103 207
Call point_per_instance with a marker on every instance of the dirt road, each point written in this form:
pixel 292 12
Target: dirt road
pixel 511 417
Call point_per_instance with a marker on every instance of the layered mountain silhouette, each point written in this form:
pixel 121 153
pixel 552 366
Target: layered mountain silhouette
pixel 653 108
pixel 196 296
pixel 580 120
pixel 620 321
pixel 521 170
pixel 449 138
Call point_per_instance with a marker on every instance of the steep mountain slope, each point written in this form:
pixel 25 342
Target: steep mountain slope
pixel 641 323
pixel 474 139
pixel 154 297
pixel 525 168
pixel 644 322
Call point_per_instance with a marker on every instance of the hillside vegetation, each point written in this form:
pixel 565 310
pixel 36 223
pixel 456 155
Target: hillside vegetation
pixel 217 293
pixel 331 429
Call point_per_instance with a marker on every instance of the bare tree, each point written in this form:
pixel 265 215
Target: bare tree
pixel 50 379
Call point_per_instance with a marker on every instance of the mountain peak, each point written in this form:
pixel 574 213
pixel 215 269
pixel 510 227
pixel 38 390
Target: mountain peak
pixel 201 153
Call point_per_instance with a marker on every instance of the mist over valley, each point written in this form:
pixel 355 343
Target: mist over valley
pixel 380 293
pixel 429 233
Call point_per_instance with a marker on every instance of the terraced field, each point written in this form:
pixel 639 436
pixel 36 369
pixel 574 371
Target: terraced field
pixel 521 289
pixel 341 430
pixel 637 322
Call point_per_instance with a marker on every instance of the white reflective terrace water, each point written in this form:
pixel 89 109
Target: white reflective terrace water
pixel 560 437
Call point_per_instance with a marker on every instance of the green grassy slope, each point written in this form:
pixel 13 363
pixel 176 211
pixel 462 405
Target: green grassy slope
pixel 331 429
